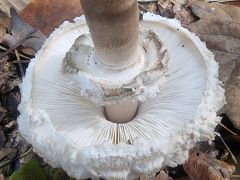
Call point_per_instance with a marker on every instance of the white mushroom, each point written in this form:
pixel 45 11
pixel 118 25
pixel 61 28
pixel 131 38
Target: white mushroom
pixel 117 103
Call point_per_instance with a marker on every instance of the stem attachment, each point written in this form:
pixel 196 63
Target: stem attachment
pixel 114 27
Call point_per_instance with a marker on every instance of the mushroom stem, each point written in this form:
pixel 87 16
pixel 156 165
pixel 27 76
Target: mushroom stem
pixel 122 113
pixel 114 27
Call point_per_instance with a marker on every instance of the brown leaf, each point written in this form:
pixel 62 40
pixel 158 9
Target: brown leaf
pixel 8 78
pixel 184 16
pixel 4 19
pixel 219 27
pixel 166 8
pixel 19 5
pixel 46 15
pixel 22 34
pixel 233 97
pixel 28 51
pixel 203 166
pixel 161 176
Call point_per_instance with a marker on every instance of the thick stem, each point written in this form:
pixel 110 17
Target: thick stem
pixel 122 113
pixel 114 27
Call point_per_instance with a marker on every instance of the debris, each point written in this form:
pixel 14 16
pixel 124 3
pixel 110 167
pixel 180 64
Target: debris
pixel 203 166
pixel 8 76
pixel 2 138
pixel 165 8
pixel 232 92
pixel 220 34
pixel 19 5
pixel 22 34
pixel 150 7
pixel 4 20
pixel 219 27
pixel 184 15
pixel 161 176
pixel 53 13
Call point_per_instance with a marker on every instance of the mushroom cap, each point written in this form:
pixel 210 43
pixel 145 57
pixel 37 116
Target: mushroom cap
pixel 71 132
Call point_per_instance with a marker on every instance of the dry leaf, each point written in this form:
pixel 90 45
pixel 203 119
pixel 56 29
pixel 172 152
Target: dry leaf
pixel 22 34
pixel 19 5
pixel 164 3
pixel 219 27
pixel 161 176
pixel 8 78
pixel 166 8
pixel 203 166
pixel 4 19
pixel 233 97
pixel 184 15
pixel 46 15
pixel 149 6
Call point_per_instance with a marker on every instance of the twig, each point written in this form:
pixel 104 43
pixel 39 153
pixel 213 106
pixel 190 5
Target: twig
pixel 221 0
pixel 235 176
pixel 22 155
pixel 21 55
pixel 142 7
pixel 20 63
pixel 18 44
pixel 228 129
pixel 230 152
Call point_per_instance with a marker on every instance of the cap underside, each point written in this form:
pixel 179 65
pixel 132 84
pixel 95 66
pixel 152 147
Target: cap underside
pixel 54 115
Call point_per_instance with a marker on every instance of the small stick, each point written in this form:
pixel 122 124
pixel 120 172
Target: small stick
pixel 20 63
pixel 22 155
pixel 142 7
pixel 230 152
pixel 21 55
pixel 221 0
pixel 228 129
pixel 235 176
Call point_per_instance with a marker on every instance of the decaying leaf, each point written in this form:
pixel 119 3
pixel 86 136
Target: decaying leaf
pixel 219 27
pixel 8 78
pixel 161 176
pixel 46 15
pixel 150 6
pixel 184 15
pixel 19 5
pixel 203 166
pixel 22 34
pixel 4 19
pixel 233 96
pixel 166 8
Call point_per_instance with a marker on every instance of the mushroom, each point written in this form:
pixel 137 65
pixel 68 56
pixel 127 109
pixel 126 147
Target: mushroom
pixel 122 100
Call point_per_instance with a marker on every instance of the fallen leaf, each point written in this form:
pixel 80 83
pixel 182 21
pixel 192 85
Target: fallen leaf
pixel 150 6
pixel 203 166
pixel 164 3
pixel 184 15
pixel 233 97
pixel 19 5
pixel 46 15
pixel 28 51
pixel 4 19
pixel 219 27
pixel 22 34
pixel 8 78
pixel 161 176
pixel 165 8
